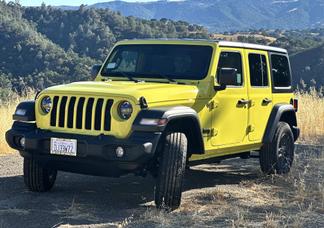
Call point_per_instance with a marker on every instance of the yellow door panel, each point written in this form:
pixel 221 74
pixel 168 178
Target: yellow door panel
pixel 230 118
pixel 259 93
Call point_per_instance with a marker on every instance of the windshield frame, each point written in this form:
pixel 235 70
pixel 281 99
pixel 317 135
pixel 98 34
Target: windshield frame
pixel 158 77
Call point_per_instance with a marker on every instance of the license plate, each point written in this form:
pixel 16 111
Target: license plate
pixel 67 147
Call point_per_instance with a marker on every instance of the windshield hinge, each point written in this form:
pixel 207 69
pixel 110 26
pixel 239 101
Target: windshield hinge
pixel 211 105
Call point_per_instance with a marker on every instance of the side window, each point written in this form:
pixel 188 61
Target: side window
pixel 280 71
pixel 231 60
pixel 258 70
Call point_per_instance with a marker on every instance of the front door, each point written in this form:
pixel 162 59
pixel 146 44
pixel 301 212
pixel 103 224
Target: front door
pixel 230 113
pixel 259 92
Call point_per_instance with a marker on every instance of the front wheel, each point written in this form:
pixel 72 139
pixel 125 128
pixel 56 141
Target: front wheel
pixel 171 169
pixel 37 178
pixel 277 157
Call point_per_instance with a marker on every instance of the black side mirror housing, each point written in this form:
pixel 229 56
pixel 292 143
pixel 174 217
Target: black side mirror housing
pixel 226 77
pixel 95 70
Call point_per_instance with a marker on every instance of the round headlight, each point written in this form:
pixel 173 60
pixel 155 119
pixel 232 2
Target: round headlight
pixel 46 104
pixel 125 110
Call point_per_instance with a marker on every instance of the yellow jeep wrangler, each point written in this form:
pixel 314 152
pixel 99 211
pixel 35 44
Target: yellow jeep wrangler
pixel 158 105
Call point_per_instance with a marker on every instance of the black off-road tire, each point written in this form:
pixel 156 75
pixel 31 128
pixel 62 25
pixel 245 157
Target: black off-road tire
pixel 171 170
pixel 277 157
pixel 37 178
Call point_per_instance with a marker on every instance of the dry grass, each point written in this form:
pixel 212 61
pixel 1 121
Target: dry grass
pixel 293 200
pixel 310 118
pixel 6 112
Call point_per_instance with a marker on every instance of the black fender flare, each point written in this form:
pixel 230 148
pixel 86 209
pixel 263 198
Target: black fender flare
pixel 185 116
pixel 281 112
pixel 25 111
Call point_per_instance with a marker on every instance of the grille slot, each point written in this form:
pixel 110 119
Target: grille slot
pixel 107 124
pixel 81 113
pixel 89 114
pixel 54 110
pixel 62 112
pixel 71 112
pixel 98 114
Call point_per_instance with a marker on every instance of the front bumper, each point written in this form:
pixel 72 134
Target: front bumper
pixel 95 154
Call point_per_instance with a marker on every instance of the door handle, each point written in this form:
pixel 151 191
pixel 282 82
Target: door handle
pixel 266 101
pixel 243 102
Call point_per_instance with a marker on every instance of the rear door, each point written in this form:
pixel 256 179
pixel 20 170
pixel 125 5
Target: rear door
pixel 259 93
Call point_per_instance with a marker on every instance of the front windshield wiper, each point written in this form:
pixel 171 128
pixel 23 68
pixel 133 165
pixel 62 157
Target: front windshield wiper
pixel 127 75
pixel 166 77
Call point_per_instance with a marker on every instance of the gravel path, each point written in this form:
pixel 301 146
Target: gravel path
pixel 79 200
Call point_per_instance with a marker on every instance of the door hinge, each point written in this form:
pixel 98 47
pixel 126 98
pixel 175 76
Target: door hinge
pixel 250 128
pixel 210 132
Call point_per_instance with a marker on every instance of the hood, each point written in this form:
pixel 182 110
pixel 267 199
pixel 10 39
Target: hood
pixel 153 92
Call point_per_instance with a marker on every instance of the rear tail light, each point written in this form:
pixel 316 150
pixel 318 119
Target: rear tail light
pixel 294 102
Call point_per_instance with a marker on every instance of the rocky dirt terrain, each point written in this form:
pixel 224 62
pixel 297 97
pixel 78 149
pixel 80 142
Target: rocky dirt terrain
pixel 231 194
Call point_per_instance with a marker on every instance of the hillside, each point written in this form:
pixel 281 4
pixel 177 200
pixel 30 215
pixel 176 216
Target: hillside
pixel 44 46
pixel 309 66
pixel 92 32
pixel 29 59
pixel 229 15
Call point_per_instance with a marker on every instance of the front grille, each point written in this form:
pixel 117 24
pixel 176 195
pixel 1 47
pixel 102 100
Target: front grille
pixel 81 113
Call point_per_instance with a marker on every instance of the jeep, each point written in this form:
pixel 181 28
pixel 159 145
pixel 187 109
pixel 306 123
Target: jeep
pixel 157 106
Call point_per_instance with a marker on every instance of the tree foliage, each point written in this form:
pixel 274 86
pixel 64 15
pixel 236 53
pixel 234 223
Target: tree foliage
pixel 45 46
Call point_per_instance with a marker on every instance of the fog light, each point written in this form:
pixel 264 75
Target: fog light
pixel 120 152
pixel 22 141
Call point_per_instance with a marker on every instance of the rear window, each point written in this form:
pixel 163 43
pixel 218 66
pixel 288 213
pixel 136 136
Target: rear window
pixel 280 71
pixel 258 70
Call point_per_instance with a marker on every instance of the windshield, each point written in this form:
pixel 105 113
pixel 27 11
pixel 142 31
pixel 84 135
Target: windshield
pixel 159 61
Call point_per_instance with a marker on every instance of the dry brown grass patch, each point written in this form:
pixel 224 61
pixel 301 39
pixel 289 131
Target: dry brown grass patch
pixel 311 117
pixel 6 112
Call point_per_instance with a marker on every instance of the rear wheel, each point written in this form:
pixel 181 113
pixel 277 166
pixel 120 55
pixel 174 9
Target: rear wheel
pixel 37 178
pixel 171 169
pixel 277 157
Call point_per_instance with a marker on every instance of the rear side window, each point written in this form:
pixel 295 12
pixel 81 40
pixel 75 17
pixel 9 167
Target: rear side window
pixel 231 60
pixel 280 71
pixel 258 70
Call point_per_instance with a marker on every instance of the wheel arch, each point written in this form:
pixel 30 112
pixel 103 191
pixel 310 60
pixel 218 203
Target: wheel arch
pixel 281 113
pixel 181 118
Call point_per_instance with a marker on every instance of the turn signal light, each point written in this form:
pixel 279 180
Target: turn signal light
pixel 294 102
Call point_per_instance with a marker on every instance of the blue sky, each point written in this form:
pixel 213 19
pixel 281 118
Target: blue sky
pixel 68 2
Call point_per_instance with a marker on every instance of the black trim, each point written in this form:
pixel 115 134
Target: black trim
pixel 96 154
pixel 184 117
pixel 29 107
pixel 278 112
pixel 219 159
pixel 276 89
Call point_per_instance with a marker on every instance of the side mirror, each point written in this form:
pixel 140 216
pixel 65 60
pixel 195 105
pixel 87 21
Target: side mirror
pixel 227 77
pixel 95 70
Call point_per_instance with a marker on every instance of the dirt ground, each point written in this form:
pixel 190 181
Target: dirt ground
pixel 231 194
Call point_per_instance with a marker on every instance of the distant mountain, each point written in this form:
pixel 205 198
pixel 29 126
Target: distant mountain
pixel 228 15
pixel 309 66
